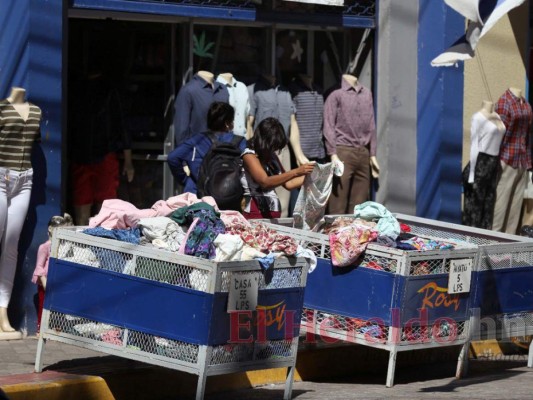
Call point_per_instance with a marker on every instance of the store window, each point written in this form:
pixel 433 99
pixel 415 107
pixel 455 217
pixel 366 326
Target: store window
pixel 241 50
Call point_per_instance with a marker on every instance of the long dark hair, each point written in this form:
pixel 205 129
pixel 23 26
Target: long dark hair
pixel 268 138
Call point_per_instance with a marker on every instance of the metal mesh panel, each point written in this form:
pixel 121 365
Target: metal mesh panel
pixel 121 337
pixel 348 328
pixel 444 332
pixel 508 259
pixel 427 267
pixel 423 230
pixel 379 262
pixel 143 267
pixel 241 352
pixel 174 349
pixel 279 278
pixel 86 328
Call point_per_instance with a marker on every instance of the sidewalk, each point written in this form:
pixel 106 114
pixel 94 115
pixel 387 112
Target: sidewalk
pixel 83 374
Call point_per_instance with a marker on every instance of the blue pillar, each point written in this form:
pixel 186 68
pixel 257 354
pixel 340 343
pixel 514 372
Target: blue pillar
pixel 31 56
pixel 439 115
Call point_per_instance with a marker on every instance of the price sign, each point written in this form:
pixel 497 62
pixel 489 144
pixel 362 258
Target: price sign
pixel 460 276
pixel 243 292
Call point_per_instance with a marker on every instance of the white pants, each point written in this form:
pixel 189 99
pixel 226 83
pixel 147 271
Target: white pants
pixel 284 195
pixel 15 191
pixel 509 198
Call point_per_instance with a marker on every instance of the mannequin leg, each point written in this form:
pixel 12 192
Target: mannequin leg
pixel 361 178
pixel 283 194
pixel 19 192
pixel 515 207
pixel 503 197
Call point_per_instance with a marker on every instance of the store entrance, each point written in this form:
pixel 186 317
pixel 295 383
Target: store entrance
pixel 119 96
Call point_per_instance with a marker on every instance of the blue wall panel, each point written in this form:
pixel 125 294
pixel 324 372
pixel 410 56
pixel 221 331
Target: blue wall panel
pixel 31 42
pixel 440 116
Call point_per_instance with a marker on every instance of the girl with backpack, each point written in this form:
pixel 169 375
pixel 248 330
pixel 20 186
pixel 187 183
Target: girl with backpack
pixel 263 171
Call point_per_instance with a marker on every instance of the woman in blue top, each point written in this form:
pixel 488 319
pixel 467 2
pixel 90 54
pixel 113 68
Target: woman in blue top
pixel 191 153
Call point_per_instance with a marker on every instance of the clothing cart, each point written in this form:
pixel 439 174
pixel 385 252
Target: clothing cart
pixel 502 307
pixel 171 310
pixel 394 300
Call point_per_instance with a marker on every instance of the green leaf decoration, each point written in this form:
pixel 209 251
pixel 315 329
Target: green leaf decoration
pixel 200 48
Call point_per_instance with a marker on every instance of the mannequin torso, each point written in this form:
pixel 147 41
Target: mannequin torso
pixel 487 109
pixel 517 92
pixel 228 77
pixel 17 98
pixel 207 76
pixel 352 80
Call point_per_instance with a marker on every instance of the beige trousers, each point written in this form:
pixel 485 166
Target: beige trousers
pixel 509 197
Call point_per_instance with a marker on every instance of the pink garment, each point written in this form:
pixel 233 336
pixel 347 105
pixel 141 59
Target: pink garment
pixel 119 214
pixel 348 243
pixel 232 219
pixel 43 257
pixel 265 239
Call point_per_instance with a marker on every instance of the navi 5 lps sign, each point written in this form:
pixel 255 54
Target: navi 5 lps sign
pixel 460 276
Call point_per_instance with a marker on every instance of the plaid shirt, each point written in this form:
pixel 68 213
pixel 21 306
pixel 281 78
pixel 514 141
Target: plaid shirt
pixel 516 114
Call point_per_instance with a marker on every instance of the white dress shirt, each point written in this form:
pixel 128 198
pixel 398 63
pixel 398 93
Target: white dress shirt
pixel 240 101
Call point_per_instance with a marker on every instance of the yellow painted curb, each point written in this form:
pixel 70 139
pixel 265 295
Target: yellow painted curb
pixel 75 388
pixel 485 348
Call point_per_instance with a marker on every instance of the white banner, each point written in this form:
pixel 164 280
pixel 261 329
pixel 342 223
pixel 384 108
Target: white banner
pixel 321 2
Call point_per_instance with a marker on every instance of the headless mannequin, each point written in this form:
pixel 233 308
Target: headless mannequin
pixel 228 77
pixel 207 76
pixel 517 92
pixel 17 98
pixel 294 138
pixel 374 166
pixel 487 109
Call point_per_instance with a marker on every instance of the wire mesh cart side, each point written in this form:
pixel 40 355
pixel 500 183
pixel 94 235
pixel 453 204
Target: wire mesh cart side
pixel 503 298
pixel 171 310
pixel 393 299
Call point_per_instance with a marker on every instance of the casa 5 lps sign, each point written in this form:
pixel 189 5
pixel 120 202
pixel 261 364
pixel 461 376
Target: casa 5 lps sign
pixel 243 292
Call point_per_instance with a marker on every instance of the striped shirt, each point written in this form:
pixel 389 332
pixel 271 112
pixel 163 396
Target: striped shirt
pixel 515 149
pixel 17 136
pixel 309 104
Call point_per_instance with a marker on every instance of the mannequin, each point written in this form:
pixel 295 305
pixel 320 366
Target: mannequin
pixel 309 104
pixel 515 161
pixel 239 99
pixel 17 98
pixel 350 133
pixel 16 173
pixel 480 176
pixel 207 76
pixel 263 95
pixel 192 103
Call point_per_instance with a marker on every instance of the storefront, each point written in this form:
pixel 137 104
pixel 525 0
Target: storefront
pixel 154 47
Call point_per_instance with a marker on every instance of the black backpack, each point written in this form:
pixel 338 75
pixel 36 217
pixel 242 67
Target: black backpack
pixel 220 173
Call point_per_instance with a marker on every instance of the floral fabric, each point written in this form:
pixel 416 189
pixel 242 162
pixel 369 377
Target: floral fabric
pixel 349 242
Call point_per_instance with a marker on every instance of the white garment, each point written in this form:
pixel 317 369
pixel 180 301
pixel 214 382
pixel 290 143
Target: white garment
pixel 228 247
pixel 313 197
pixel 485 137
pixel 162 232
pixel 15 192
pixel 239 99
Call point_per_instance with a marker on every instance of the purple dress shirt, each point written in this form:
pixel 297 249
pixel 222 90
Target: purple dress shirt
pixel 349 119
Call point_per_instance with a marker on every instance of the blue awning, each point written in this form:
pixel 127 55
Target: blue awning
pixel 482 16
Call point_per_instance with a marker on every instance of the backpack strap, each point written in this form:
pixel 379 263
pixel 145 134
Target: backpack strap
pixel 213 137
pixel 236 140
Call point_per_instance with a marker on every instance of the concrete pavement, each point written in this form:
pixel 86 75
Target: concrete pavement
pixel 76 373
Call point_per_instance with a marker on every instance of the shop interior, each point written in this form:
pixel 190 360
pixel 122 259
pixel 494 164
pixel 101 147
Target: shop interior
pixel 148 61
